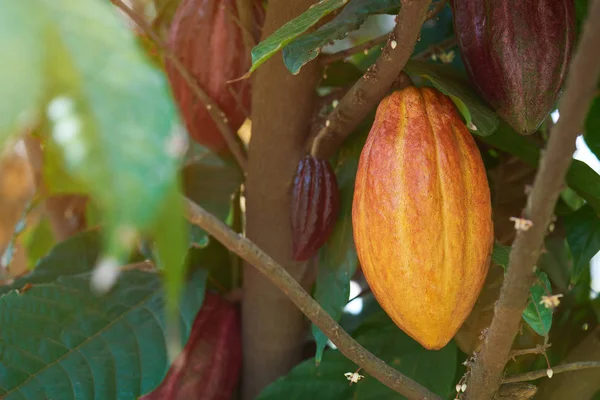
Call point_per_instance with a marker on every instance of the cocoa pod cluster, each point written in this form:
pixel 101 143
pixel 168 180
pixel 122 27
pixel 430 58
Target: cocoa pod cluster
pixel 210 364
pixel 315 206
pixel 516 54
pixel 422 216
pixel 207 39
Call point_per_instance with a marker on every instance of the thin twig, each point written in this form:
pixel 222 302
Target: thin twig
pixel 379 40
pixel 372 87
pixel 344 54
pixel 533 375
pixel 288 285
pixel 541 349
pixel 436 49
pixel 213 109
pixel 579 91
pixel 436 10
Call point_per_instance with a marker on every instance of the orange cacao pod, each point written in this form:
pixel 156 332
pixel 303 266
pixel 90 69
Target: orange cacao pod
pixel 206 38
pixel 422 216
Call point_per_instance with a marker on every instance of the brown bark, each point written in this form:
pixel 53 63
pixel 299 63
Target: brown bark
pixel 581 385
pixel 273 328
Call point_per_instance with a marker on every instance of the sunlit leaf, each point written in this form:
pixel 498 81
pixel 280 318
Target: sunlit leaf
pixel 292 29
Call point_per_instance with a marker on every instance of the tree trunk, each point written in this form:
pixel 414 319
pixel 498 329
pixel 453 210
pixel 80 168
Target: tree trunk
pixel 273 328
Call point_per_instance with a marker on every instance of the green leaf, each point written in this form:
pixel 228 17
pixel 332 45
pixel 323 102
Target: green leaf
pixel 171 248
pixel 501 254
pixel 22 55
pixel 580 177
pixel 337 258
pixel 108 114
pixel 288 32
pixel 586 182
pixel 535 314
pixel 592 127
pixel 434 369
pixel 60 341
pixel 76 255
pixel 583 236
pixel 450 82
pixel 340 74
pixel 307 47
pixel 38 241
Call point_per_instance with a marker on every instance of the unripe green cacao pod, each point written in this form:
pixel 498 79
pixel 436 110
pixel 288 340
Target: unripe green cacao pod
pixel 516 53
pixel 422 215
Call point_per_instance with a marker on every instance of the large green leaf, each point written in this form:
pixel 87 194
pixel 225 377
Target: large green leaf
pixel 291 30
pixel 583 236
pixel 479 117
pixel 307 47
pixel 108 113
pixel 337 258
pixel 434 369
pixel 592 127
pixel 60 341
pixel 22 55
pixel 535 314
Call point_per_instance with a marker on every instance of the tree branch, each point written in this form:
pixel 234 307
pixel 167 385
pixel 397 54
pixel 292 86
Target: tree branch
pixel 579 90
pixel 533 375
pixel 541 349
pixel 213 109
pixel 372 87
pixel 288 285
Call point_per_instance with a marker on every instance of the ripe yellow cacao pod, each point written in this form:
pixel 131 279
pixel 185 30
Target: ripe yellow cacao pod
pixel 422 216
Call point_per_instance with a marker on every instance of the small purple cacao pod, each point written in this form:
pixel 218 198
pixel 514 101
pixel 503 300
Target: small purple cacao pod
pixel 315 206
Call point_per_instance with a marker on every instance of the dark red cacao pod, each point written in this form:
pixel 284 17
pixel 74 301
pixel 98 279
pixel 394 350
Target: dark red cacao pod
pixel 206 38
pixel 209 366
pixel 516 53
pixel 315 206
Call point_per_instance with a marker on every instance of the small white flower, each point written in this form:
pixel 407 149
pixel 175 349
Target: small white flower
pixel 521 224
pixel 393 44
pixel 463 388
pixel 105 275
pixel 549 372
pixel 327 123
pixel 335 103
pixel 458 387
pixel 353 377
pixel 471 126
pixel 447 58
pixel 551 301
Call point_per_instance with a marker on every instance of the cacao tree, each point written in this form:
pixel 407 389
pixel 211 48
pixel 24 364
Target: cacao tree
pixel 334 199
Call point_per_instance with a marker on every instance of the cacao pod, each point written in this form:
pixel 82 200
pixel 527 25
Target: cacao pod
pixel 516 54
pixel 315 206
pixel 206 38
pixel 209 366
pixel 421 215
